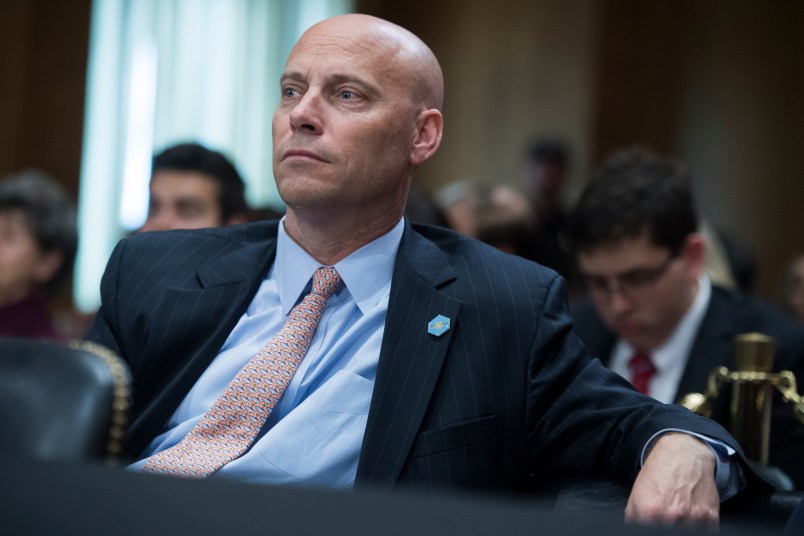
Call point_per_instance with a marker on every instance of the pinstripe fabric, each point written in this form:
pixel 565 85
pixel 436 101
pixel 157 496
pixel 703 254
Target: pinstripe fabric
pixel 232 423
pixel 506 395
pixel 170 300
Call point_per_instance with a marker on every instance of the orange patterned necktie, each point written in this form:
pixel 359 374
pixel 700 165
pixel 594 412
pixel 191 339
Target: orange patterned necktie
pixel 230 426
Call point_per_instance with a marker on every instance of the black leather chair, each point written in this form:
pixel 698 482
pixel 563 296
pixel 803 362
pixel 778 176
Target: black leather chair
pixel 61 401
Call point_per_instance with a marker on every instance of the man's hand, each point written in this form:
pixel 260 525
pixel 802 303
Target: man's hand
pixel 676 486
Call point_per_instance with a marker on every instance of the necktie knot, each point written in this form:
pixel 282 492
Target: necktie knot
pixel 642 370
pixel 325 282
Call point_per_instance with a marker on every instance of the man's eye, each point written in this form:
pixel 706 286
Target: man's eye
pixel 290 92
pixel 595 283
pixel 189 211
pixel 345 94
pixel 636 279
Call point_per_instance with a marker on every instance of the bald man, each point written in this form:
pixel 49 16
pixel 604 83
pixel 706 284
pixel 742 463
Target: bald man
pixel 437 361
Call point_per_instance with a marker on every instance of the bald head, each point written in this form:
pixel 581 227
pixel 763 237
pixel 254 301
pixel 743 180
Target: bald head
pixel 359 112
pixel 401 50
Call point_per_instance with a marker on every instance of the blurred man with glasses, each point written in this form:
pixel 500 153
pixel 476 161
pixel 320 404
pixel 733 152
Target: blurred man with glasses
pixel 653 315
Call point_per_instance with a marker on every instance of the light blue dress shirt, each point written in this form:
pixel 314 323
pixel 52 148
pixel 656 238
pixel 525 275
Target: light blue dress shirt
pixel 314 434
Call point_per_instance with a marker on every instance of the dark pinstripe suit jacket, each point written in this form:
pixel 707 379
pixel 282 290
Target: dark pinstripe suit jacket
pixel 508 392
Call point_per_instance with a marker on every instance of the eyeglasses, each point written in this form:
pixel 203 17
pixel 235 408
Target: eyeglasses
pixel 628 283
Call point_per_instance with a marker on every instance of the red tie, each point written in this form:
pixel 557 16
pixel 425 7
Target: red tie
pixel 642 370
pixel 230 426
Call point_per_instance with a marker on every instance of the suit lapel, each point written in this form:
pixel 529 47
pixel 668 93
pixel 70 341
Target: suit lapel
pixel 223 288
pixel 713 345
pixel 410 358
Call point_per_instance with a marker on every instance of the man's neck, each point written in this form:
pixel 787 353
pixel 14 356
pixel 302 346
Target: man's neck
pixel 329 239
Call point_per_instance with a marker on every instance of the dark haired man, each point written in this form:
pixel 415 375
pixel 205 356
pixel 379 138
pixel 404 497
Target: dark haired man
pixel 194 187
pixel 546 171
pixel 654 316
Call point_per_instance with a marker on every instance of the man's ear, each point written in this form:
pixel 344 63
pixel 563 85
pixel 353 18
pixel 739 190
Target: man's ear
pixel 429 127
pixel 694 252
pixel 47 266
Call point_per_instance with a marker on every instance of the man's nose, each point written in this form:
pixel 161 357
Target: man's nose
pixel 618 300
pixel 306 114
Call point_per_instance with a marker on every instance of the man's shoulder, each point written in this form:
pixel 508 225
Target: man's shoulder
pixel 478 272
pixel 748 313
pixel 589 326
pixel 176 253
pixel 227 236
pixel 748 309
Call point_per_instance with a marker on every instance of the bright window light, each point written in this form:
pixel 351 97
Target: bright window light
pixel 162 72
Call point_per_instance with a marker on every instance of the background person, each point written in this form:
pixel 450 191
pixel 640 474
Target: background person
pixel 654 317
pixel 38 241
pixel 492 213
pixel 194 187
pixel 793 289
pixel 546 175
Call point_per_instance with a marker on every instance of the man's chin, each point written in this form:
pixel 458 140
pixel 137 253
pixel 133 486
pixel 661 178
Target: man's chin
pixel 633 335
pixel 302 201
pixel 305 190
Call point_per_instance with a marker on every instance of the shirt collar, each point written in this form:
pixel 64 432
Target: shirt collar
pixel 366 273
pixel 680 342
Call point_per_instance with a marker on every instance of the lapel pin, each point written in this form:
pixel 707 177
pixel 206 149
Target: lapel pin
pixel 438 325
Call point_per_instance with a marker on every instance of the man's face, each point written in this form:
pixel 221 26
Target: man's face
pixel 639 289
pixel 23 265
pixel 547 180
pixel 344 126
pixel 182 200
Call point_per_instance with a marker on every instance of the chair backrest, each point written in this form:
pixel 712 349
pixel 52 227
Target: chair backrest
pixel 61 401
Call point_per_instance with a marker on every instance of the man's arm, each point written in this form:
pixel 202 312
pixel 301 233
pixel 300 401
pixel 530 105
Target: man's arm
pixel 676 485
pixel 602 425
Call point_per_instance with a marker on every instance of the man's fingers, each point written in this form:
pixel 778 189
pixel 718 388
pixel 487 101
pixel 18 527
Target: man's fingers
pixel 690 515
pixel 676 486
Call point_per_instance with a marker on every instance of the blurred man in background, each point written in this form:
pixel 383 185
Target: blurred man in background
pixel 655 317
pixel 193 187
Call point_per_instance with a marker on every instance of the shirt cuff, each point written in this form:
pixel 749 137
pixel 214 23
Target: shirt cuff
pixel 728 475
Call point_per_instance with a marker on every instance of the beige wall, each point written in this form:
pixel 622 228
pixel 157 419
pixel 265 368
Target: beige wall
pixel 719 83
pixel 742 124
pixel 44 46
pixel 513 71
